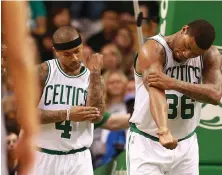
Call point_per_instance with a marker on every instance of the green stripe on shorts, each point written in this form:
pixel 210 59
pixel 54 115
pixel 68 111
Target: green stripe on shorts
pixel 55 152
pixel 133 128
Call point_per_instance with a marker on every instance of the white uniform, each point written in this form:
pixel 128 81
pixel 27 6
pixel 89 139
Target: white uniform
pixel 64 145
pixel 145 154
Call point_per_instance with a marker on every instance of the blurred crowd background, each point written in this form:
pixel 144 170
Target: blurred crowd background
pixel 107 27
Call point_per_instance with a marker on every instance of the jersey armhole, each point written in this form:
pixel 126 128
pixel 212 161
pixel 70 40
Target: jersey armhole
pixel 138 74
pixel 49 72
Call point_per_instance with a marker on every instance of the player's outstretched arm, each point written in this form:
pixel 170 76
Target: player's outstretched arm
pixel 21 67
pixel 117 122
pixel 152 58
pixel 208 92
pixel 95 97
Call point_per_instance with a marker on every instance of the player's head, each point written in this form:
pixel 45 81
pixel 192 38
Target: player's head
pixel 12 140
pixel 193 40
pixel 68 47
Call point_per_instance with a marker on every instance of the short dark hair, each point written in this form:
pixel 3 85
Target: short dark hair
pixel 65 34
pixel 203 33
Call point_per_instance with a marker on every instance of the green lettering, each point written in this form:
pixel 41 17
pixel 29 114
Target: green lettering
pixel 61 95
pixel 55 93
pixel 46 95
pixel 197 72
pixel 77 96
pixel 189 72
pixel 73 96
pixel 172 73
pixel 68 93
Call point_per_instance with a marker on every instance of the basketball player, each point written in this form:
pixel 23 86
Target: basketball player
pixel 21 69
pixel 68 90
pixel 172 74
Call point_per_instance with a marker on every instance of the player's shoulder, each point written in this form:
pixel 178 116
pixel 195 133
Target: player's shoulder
pixel 151 50
pixel 212 52
pixel 212 56
pixel 154 47
pixel 43 72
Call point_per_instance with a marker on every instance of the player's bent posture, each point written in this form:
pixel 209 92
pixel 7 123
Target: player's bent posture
pixel 71 101
pixel 172 75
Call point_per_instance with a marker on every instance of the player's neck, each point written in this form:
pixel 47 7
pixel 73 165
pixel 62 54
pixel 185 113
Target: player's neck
pixel 170 40
pixel 71 71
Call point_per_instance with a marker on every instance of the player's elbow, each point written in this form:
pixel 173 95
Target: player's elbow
pixel 216 99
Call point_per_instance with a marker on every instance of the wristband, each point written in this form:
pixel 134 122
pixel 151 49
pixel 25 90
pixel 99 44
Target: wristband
pixel 67 114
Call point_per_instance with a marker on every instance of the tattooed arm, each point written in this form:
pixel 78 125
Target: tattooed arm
pixel 211 89
pixel 152 58
pixel 47 116
pixel 96 89
pixel 95 96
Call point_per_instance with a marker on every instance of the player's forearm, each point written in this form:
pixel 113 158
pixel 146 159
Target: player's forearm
pixel 117 122
pixel 21 64
pixel 47 116
pixel 205 93
pixel 95 93
pixel 158 107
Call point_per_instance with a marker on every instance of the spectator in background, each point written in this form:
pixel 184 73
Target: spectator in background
pixel 86 18
pixel 130 95
pixel 112 58
pixel 125 42
pixel 12 140
pixel 38 17
pixel 114 141
pixel 59 16
pixel 38 24
pixel 110 25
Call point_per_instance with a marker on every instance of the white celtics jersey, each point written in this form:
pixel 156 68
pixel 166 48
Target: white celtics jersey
pixel 183 112
pixel 60 92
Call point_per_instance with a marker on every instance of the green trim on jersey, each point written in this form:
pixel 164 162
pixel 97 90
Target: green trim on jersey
pixel 47 79
pixel 105 118
pixel 133 128
pixel 139 75
pixel 55 152
pixel 82 71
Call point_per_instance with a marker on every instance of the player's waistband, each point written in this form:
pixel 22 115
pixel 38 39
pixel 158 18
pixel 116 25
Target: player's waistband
pixel 55 152
pixel 133 128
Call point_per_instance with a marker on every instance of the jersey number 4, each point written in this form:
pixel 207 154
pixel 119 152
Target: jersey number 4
pixel 187 106
pixel 65 127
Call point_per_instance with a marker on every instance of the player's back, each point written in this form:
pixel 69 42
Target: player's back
pixel 183 112
pixel 60 92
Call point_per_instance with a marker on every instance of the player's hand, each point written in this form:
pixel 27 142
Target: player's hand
pixel 160 80
pixel 167 140
pixel 83 113
pixel 25 151
pixel 94 62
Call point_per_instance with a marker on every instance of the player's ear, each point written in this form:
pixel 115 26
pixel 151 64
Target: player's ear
pixel 184 29
pixel 55 52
